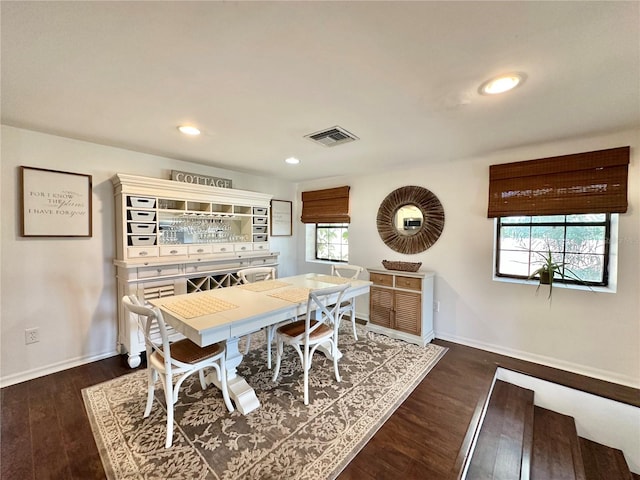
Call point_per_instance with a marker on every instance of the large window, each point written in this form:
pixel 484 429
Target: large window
pixel 332 241
pixel 580 242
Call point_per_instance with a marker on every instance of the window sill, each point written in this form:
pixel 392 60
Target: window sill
pixel 324 262
pixel 608 289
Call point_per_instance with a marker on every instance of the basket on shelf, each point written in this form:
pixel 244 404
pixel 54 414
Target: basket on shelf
pixel 401 266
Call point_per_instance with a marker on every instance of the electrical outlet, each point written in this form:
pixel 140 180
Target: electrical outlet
pixel 436 306
pixel 31 335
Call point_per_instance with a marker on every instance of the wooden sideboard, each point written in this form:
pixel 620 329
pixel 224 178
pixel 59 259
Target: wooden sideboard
pixel 401 304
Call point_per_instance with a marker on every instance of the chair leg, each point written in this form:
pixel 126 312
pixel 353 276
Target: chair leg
pixel 305 367
pixel 203 382
pixel 168 395
pixel 269 331
pixel 279 349
pixel 335 361
pixel 152 376
pixel 352 314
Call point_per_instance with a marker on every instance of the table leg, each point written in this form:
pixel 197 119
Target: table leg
pixel 240 391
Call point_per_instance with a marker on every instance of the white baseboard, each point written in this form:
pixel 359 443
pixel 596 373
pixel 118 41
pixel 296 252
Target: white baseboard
pixel 52 368
pixel 605 375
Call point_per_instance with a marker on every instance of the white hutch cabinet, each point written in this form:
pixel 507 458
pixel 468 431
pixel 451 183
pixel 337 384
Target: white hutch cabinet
pixel 401 305
pixel 174 237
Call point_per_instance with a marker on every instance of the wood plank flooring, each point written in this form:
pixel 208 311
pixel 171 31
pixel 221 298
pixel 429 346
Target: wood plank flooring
pixel 45 433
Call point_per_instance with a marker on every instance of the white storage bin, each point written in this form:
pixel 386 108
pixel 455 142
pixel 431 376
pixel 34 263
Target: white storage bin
pixel 259 229
pixel 142 228
pixel 142 202
pixel 139 216
pixel 259 211
pixel 259 238
pixel 260 220
pixel 140 241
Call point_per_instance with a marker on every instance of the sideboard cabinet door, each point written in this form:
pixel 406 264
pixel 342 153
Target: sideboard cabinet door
pixel 381 308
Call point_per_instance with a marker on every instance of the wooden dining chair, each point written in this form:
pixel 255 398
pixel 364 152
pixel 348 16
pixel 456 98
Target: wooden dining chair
pixel 181 358
pixel 252 275
pixel 348 306
pixel 305 336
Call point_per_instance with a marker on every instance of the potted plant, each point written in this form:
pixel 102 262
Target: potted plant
pixel 549 269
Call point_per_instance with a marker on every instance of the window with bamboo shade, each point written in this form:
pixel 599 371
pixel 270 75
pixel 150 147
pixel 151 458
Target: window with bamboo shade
pixel 558 206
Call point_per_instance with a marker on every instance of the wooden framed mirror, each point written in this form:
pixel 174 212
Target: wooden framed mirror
pixel 410 219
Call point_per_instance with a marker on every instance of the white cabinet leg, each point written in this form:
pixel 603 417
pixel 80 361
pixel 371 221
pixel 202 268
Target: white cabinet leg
pixel 134 361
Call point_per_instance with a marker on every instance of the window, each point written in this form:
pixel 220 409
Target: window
pixel 581 242
pixel 332 241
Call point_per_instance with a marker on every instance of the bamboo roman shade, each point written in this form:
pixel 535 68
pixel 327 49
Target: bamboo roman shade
pixel 326 206
pixel 591 182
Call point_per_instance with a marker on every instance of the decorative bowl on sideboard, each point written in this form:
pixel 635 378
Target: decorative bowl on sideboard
pixel 401 266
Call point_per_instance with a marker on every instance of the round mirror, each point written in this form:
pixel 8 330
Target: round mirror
pixel 410 219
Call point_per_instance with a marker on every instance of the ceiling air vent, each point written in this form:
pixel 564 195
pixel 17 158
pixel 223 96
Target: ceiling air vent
pixel 332 136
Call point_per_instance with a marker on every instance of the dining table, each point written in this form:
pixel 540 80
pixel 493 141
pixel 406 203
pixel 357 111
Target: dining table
pixel 228 314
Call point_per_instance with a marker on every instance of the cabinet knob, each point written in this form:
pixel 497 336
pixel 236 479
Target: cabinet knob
pixel 143 253
pixel 223 249
pixel 200 250
pixel 173 252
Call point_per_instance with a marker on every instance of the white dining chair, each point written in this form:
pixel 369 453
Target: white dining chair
pixel 252 275
pixel 181 358
pixel 305 336
pixel 348 306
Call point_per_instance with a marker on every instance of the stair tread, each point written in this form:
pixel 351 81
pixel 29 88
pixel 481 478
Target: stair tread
pixel 602 462
pixel 556 448
pixel 498 452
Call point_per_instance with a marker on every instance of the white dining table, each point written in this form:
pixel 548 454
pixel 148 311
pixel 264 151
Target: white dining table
pixel 226 314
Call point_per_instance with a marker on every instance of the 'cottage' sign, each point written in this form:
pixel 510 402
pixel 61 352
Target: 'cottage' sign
pixel 186 177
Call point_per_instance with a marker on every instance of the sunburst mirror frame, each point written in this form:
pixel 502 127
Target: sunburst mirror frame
pixel 432 224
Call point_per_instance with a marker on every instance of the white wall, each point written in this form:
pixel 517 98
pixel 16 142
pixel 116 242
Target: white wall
pixel 66 286
pixel 596 334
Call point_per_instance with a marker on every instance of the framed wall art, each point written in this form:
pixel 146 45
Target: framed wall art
pixel 281 223
pixel 54 203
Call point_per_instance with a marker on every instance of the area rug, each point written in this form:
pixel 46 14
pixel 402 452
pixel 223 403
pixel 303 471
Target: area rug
pixel 283 439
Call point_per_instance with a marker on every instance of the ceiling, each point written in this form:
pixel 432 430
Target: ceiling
pixel 256 77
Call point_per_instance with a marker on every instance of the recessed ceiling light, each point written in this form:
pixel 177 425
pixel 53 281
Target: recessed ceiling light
pixel 189 130
pixel 502 84
pixel 292 161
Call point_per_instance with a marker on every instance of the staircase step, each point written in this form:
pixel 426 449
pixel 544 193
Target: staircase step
pixel 556 449
pixel 503 448
pixel 602 462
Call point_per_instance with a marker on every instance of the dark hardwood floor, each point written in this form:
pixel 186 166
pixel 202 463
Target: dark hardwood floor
pixel 45 433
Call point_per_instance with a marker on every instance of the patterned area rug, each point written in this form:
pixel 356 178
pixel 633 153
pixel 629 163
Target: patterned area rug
pixel 283 439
